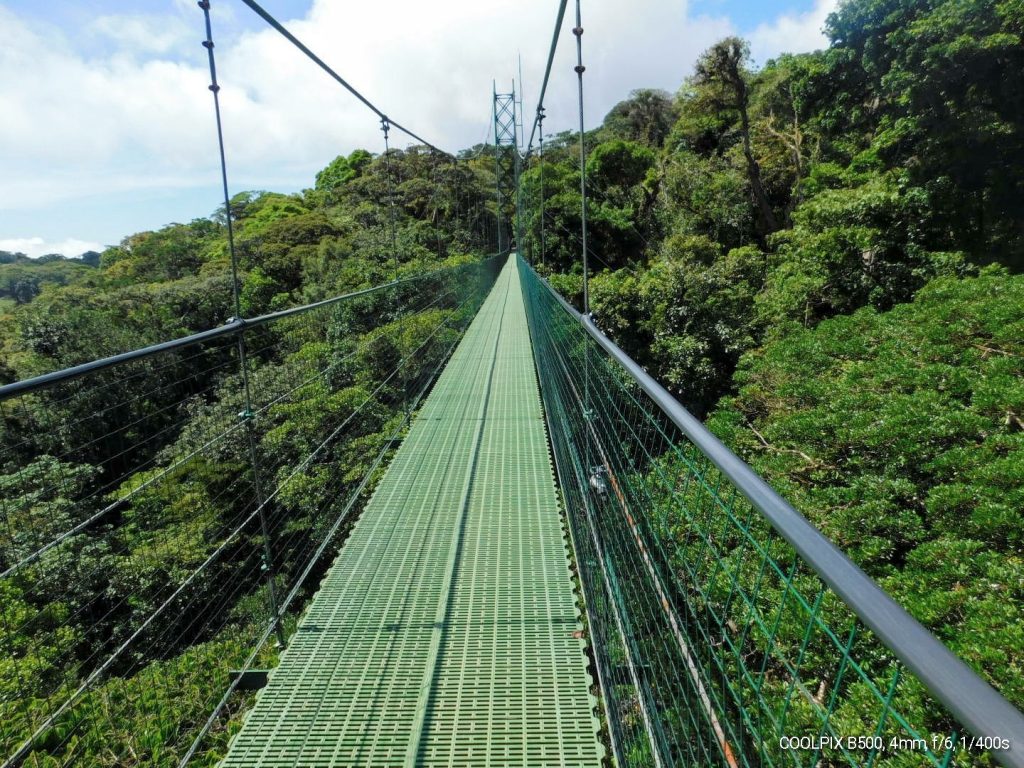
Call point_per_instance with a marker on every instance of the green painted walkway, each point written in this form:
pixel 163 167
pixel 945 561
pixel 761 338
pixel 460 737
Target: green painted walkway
pixel 445 633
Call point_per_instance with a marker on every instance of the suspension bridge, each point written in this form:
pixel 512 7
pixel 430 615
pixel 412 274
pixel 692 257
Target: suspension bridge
pixel 453 593
pixel 443 520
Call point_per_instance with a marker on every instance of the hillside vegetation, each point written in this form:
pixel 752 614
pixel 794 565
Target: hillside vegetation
pixel 821 256
pixel 151 451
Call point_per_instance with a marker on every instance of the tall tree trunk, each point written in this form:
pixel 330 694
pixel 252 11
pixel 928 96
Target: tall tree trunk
pixel 769 223
pixel 724 65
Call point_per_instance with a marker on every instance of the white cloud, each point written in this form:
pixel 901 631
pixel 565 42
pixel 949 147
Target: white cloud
pixel 792 32
pixel 137 110
pixel 125 106
pixel 140 34
pixel 37 246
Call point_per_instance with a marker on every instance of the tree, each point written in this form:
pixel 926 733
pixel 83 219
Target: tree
pixel 721 76
pixel 342 170
pixel 851 247
pixel 170 253
pixel 900 434
pixel 786 91
pixel 708 195
pixel 646 116
pixel 689 317
pixel 40 503
pixel 950 109
pixel 90 258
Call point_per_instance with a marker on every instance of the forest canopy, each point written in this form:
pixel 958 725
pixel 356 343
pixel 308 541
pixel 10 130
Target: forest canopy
pixel 821 256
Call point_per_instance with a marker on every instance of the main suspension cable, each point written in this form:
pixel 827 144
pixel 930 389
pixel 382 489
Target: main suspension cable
pixel 547 71
pixel 263 14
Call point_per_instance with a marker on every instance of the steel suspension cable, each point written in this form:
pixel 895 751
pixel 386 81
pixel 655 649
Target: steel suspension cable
pixel 263 14
pixel 547 71
pixel 540 125
pixel 580 69
pixel 243 361
pixel 385 126
pixel 215 89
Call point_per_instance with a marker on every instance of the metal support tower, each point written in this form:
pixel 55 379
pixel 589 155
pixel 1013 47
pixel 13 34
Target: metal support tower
pixel 506 165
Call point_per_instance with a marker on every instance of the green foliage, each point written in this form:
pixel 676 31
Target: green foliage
pixel 622 183
pixel 154 711
pixel 850 248
pixel 861 173
pixel 31 660
pixel 708 196
pixel 689 312
pixel 342 170
pixel 617 167
pixel 822 222
pixel 646 116
pixel 561 185
pixel 948 109
pixel 259 292
pixel 266 210
pixel 169 254
pixel 23 279
pixel 169 483
pixel 39 496
pixel 901 435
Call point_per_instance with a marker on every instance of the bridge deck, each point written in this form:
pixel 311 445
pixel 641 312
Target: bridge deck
pixel 445 633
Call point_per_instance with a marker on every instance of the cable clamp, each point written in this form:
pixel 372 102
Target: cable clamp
pixel 215 88
pixel 578 31
pixel 208 44
pixel 204 4
pixel 579 69
pixel 246 415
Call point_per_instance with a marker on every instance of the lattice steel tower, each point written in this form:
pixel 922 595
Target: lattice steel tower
pixel 507 165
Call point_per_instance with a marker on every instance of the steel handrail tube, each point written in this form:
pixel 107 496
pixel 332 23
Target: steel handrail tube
pixel 232 326
pixel 968 697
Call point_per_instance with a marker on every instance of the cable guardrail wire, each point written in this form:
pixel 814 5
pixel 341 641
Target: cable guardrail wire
pixel 726 629
pixel 138 562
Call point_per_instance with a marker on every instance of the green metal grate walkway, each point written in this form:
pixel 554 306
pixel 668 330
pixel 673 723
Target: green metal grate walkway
pixel 446 632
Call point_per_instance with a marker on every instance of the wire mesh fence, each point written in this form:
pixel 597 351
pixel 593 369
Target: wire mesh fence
pixel 164 515
pixel 715 642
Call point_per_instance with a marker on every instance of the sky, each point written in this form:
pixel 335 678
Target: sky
pixel 107 127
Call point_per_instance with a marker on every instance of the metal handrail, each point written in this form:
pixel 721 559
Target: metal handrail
pixel 232 326
pixel 974 702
